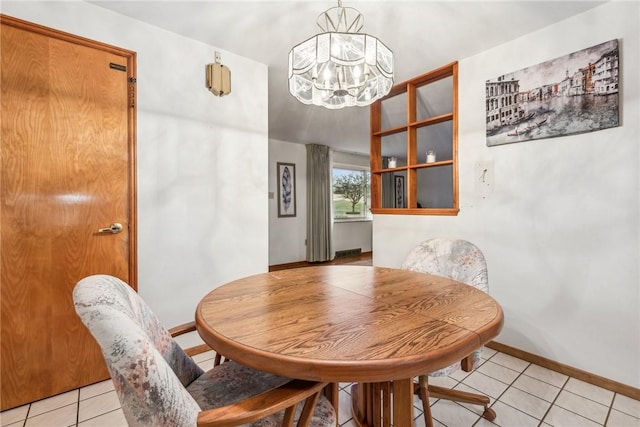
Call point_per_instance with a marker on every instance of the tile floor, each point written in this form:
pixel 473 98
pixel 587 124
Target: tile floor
pixel 522 395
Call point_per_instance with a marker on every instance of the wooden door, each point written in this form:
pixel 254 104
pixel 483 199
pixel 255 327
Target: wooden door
pixel 68 169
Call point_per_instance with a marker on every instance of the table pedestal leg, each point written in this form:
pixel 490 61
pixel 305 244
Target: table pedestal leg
pixel 372 403
pixel 403 402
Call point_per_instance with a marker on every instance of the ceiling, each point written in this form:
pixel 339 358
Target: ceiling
pixel 422 34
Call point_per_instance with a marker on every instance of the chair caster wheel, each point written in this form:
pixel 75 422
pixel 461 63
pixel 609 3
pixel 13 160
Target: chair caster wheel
pixel 489 414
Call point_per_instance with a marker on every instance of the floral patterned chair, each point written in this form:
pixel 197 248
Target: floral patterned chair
pixel 159 385
pixel 462 261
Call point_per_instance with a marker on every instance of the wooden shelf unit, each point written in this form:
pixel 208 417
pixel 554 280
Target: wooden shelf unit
pixel 413 164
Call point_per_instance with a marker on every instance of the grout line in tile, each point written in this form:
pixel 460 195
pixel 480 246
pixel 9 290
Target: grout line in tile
pixel 26 417
pixel 554 400
pixel 511 384
pixel 498 398
pixel 99 415
pixel 591 400
pixel 580 415
pixel 78 409
pixel 542 381
pixel 95 395
pixel 456 383
pixel 606 419
pixel 526 392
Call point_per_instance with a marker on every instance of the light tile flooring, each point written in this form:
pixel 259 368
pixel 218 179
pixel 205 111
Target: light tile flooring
pixel 522 394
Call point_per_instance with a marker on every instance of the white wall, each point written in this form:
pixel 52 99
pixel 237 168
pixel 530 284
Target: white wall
pixel 352 235
pixel 202 160
pixel 287 235
pixel 561 227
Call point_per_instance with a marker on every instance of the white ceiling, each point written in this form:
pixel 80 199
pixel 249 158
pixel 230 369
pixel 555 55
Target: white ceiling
pixel 422 34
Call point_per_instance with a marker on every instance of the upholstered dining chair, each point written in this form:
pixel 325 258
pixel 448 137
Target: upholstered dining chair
pixel 159 385
pixel 462 261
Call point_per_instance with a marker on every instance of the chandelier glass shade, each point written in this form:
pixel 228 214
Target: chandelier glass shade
pixel 340 67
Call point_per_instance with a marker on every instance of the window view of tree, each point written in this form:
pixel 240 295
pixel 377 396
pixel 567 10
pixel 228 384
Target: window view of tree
pixel 351 195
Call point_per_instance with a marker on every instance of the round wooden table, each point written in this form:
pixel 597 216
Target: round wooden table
pixel 374 326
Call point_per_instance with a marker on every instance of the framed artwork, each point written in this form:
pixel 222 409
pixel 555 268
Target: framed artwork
pixel 399 186
pixel 286 189
pixel 571 94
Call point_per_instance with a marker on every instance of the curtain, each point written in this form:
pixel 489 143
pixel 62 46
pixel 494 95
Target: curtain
pixel 319 200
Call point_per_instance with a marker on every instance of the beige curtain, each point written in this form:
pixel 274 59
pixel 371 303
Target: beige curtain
pixel 319 200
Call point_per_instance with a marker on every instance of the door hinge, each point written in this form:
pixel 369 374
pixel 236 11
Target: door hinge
pixel 132 92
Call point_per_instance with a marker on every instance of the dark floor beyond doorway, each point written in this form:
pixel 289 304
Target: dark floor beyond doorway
pixel 365 258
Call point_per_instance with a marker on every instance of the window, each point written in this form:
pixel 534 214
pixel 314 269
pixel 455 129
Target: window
pixel 351 194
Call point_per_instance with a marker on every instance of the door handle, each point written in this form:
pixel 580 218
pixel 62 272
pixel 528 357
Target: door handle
pixel 114 228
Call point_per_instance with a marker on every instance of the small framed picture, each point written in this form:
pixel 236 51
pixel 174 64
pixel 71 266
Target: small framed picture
pixel 399 185
pixel 286 189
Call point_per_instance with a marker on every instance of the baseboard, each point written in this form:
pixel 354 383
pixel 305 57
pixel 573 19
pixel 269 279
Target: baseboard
pixel 298 264
pixel 576 373
pixel 288 265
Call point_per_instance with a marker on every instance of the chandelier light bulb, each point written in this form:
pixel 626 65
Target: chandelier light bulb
pixel 356 68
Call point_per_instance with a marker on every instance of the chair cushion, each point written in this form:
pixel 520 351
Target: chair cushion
pixel 458 260
pixel 231 382
pixel 456 366
pixel 148 368
pixel 117 317
pixel 150 371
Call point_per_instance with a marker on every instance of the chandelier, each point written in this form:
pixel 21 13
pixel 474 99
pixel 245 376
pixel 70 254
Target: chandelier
pixel 340 67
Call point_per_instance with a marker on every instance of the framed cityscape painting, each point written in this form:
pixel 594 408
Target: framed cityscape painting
pixel 571 94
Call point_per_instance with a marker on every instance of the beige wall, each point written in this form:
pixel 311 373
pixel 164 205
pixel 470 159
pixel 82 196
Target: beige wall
pixel 287 235
pixel 202 160
pixel 561 227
